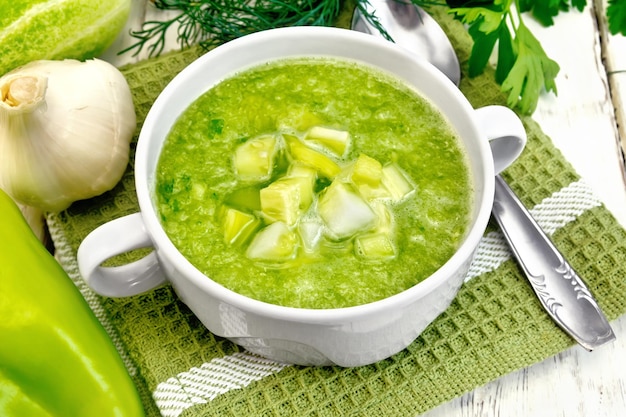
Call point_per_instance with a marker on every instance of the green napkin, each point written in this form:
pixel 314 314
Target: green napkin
pixel 494 326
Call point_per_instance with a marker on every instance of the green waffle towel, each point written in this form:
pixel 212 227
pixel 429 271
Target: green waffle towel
pixel 494 326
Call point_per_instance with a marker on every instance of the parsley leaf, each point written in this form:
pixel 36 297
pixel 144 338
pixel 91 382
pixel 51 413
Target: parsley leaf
pixel 532 71
pixel 523 68
pixel 616 14
pixel 481 50
pixel 506 53
pixel 483 28
pixel 545 10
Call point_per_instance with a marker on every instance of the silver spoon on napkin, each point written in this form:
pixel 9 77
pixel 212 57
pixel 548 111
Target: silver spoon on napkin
pixel 560 290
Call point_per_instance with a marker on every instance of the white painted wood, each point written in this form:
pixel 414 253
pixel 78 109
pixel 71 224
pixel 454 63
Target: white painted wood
pixel 582 122
pixel 614 55
pixel 581 119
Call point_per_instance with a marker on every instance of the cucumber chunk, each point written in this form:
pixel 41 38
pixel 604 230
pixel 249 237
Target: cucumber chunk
pixel 286 199
pixel 275 242
pixel 247 198
pixel 375 247
pixel 344 211
pixel 254 159
pixel 384 217
pixel 239 226
pixel 310 232
pixel 336 141
pixel 198 191
pixel 300 170
pixel 367 171
pixel 396 182
pixel 310 157
pixel 298 200
pixel 372 194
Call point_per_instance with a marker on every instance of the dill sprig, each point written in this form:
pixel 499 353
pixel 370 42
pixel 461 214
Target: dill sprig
pixel 213 22
pixel 520 59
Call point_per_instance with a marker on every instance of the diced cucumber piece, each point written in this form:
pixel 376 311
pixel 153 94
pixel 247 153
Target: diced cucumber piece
pixel 310 157
pixel 396 182
pixel 376 246
pixel 310 232
pixel 384 216
pixel 304 188
pixel 367 171
pixel 275 242
pixel 300 170
pixel 313 203
pixel 254 159
pixel 306 173
pixel 286 199
pixel 336 141
pixel 371 194
pixel 239 226
pixel 246 198
pixel 198 190
pixel 344 212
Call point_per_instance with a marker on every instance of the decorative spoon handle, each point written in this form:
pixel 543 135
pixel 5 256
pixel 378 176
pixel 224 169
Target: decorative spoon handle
pixel 561 291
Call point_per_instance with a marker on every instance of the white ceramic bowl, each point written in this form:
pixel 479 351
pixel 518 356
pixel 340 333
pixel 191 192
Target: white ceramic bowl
pixel 348 336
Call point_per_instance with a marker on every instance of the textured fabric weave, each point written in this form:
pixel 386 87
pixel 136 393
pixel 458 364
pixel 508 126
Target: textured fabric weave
pixel 494 326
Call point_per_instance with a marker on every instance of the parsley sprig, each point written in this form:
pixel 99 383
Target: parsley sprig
pixel 523 68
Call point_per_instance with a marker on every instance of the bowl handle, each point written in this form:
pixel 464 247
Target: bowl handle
pixel 505 132
pixel 104 243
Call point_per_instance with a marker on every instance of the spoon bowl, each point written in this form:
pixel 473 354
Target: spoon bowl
pixel 412 28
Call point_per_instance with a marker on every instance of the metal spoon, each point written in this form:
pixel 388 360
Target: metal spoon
pixel 560 290
pixel 414 29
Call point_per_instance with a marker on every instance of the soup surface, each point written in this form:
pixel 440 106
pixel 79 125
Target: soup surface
pixel 314 183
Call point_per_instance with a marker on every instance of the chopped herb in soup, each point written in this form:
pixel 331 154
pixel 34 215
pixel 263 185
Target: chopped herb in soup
pixel 314 183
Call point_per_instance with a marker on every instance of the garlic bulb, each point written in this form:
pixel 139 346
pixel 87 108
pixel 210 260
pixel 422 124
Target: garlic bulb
pixel 65 131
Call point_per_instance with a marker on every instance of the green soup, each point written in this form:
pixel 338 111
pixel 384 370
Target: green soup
pixel 314 183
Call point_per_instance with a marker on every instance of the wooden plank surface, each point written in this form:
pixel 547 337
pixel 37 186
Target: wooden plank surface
pixel 614 57
pixel 583 122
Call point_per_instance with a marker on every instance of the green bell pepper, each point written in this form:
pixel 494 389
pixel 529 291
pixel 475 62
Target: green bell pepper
pixel 56 359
